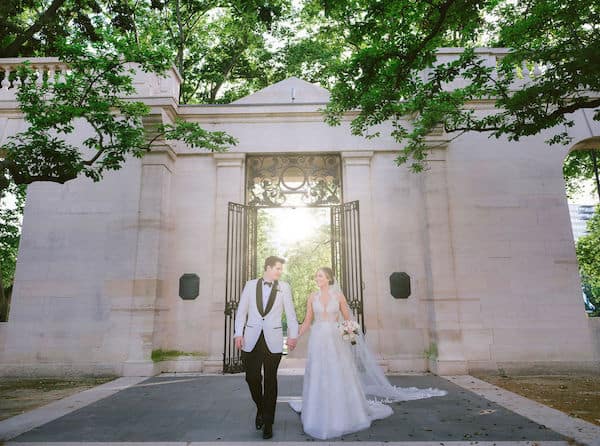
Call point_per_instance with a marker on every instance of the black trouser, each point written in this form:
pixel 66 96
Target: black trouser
pixel 254 361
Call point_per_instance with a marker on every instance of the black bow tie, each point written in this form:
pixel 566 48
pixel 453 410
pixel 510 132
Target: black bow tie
pixel 268 283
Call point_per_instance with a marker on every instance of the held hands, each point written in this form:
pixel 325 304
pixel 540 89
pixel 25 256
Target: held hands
pixel 239 342
pixel 291 343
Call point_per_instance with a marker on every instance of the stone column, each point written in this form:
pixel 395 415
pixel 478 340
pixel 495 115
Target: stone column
pixel 229 187
pixel 157 167
pixel 445 334
pixel 357 186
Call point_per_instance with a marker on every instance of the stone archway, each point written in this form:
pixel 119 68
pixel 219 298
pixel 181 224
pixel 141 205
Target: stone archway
pixel 290 181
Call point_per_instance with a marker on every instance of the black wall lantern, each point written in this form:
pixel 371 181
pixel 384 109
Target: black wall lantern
pixel 400 285
pixel 189 286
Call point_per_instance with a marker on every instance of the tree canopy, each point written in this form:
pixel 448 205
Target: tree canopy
pixel 376 57
pixel 388 72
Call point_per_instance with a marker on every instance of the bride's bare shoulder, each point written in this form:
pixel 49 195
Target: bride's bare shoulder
pixel 340 296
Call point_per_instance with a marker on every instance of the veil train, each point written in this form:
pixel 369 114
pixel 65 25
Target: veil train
pixel 372 378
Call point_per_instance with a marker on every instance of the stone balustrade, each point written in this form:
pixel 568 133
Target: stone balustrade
pixel 150 85
pixel 47 69
pixel 51 69
pixel 527 72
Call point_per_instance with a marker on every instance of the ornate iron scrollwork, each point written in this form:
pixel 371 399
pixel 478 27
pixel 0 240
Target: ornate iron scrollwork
pixel 293 180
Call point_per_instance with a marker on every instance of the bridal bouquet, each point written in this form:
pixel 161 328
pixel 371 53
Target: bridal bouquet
pixel 349 330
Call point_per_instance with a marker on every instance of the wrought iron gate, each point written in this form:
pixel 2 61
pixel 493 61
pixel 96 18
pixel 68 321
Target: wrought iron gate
pixel 346 257
pixel 241 267
pixel 242 256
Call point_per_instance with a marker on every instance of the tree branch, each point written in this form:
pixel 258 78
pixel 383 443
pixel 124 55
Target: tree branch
pixel 215 89
pixel 13 49
pixel 555 114
pixel 410 57
pixel 22 179
pixel 573 107
pixel 102 146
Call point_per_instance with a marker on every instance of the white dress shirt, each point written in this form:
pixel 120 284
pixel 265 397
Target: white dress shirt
pixel 266 292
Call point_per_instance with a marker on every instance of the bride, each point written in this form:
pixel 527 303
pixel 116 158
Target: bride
pixel 338 375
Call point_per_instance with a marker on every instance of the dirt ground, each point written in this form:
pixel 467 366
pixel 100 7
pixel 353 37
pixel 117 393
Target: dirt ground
pixel 576 395
pixel 18 395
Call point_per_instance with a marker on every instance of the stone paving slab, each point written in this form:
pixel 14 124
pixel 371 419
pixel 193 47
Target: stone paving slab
pixel 219 409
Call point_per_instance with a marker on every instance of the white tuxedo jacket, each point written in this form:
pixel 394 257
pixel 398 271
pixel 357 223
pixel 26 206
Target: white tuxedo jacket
pixel 270 323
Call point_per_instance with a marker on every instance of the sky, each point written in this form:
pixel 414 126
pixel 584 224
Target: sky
pixel 587 195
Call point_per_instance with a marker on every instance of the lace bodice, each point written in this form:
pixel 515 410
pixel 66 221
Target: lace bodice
pixel 329 312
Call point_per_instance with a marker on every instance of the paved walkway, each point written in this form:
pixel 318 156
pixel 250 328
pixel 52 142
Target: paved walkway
pixel 218 409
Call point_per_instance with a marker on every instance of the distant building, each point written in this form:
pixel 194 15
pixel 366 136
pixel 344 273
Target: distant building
pixel 580 214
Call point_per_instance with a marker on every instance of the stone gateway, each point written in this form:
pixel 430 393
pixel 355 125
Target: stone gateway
pixel 484 236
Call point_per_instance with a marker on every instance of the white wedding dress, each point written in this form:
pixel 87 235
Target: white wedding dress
pixel 339 376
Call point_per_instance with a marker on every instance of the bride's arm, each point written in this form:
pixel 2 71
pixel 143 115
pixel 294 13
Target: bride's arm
pixel 344 307
pixel 308 318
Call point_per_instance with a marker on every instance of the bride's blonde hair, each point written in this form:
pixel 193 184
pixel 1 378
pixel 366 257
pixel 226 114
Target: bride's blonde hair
pixel 328 273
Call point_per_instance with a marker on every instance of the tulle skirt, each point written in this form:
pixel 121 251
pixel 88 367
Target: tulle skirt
pixel 333 400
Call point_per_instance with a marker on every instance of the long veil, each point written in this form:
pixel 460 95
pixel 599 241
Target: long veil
pixel 372 378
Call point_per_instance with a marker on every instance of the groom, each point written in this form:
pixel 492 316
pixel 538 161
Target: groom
pixel 261 342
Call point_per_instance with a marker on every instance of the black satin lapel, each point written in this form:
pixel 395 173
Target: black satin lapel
pixel 271 297
pixel 259 299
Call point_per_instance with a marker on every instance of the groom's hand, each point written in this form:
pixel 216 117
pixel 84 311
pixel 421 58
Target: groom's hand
pixel 239 342
pixel 292 343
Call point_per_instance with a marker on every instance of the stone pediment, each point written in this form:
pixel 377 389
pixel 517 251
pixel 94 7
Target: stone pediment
pixel 288 91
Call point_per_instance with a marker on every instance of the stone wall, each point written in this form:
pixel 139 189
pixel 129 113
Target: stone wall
pixel 484 235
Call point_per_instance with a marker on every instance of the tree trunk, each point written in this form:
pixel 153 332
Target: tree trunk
pixel 180 48
pixel 595 161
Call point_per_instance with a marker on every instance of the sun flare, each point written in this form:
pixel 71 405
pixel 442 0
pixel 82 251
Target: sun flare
pixel 292 225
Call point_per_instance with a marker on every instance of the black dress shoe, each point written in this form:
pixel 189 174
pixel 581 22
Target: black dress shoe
pixel 267 431
pixel 259 420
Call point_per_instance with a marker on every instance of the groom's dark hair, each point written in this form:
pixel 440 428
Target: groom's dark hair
pixel 272 261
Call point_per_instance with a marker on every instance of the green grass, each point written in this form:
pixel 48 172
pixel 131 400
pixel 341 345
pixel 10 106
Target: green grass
pixel 165 355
